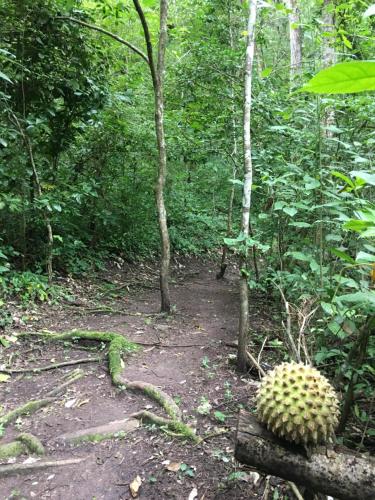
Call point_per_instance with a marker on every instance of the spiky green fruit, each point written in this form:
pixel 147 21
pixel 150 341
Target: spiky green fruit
pixel 297 403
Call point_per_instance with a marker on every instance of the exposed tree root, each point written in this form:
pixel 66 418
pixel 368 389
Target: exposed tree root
pixel 24 443
pixel 51 367
pixel 212 435
pixel 174 426
pixel 117 428
pixel 13 469
pixel 119 345
pixel 34 405
pixel 154 393
pixel 29 407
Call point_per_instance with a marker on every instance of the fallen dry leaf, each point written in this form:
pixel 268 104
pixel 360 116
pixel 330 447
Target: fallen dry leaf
pixel 174 466
pixel 81 403
pixel 70 403
pixel 134 486
pixel 193 494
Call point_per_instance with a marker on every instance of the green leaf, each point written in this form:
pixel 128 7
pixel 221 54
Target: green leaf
pixel 346 41
pixel 343 78
pixel 300 256
pixel 328 308
pixel 370 11
pixel 4 377
pixel 314 266
pixel 3 76
pixel 365 257
pixel 334 327
pixel 362 298
pixel 342 255
pixel 369 233
pixel 343 177
pixel 290 211
pixel 236 182
pixel 231 242
pixel 279 205
pixel 266 72
pixel 220 417
pixel 366 176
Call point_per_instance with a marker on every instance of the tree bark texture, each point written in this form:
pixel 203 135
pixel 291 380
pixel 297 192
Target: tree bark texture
pixel 242 359
pixel 328 56
pixel 340 475
pixel 223 264
pixel 295 39
pixel 157 75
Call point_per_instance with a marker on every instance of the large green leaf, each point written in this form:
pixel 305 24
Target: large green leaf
pixel 343 78
pixel 3 76
pixel 370 11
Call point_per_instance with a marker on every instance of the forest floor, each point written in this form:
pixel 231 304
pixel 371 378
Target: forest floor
pixel 188 355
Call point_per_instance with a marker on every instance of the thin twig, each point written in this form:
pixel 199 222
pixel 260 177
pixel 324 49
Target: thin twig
pixel 288 327
pixel 295 490
pixel 105 32
pixel 261 350
pixel 255 363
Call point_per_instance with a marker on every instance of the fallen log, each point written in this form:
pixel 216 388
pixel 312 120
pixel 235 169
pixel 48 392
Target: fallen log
pixel 341 475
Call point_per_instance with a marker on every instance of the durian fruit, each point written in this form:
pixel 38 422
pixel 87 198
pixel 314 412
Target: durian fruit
pixel 297 403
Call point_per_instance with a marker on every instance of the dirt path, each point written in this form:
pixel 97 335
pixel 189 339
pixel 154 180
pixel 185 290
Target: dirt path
pixel 198 375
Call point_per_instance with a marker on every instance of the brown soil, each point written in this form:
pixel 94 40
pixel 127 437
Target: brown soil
pixel 204 321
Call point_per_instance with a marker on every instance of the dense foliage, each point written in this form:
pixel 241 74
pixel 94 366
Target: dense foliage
pixel 79 106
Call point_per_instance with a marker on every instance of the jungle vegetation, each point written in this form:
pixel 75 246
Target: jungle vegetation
pixel 82 156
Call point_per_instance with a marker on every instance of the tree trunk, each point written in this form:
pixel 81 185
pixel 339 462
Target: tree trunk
pixel 223 264
pixel 38 186
pixel 159 122
pixel 328 56
pixel 242 358
pixel 157 75
pixel 295 39
pixel 345 476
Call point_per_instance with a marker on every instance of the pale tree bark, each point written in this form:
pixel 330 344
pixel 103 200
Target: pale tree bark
pixel 327 118
pixel 242 358
pixel 328 55
pixel 157 74
pixel 234 154
pixel 295 39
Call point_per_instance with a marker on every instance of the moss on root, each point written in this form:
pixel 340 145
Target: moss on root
pixel 157 396
pixel 118 345
pixel 98 438
pixel 27 408
pixel 179 428
pixel 24 443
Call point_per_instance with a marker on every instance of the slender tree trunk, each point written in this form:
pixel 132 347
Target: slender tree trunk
pixel 223 264
pixel 326 118
pixel 295 39
pixel 246 199
pixel 38 186
pixel 328 56
pixel 157 74
pixel 159 122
